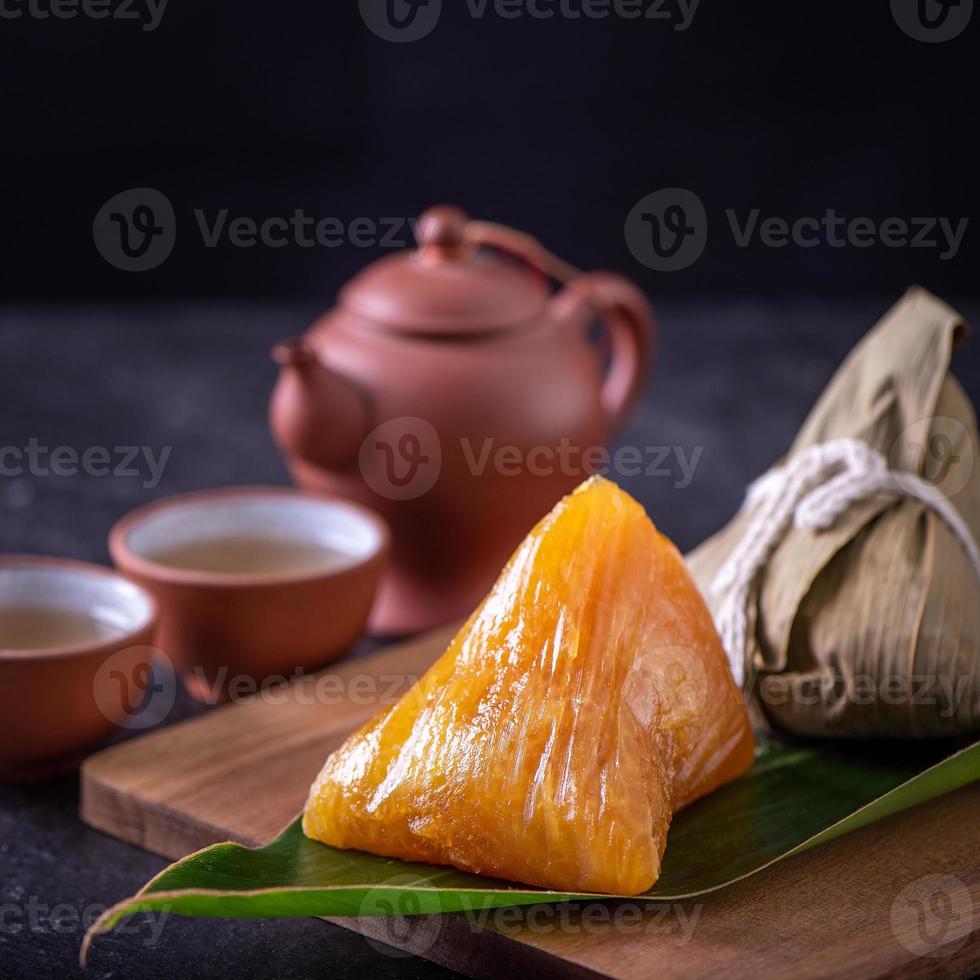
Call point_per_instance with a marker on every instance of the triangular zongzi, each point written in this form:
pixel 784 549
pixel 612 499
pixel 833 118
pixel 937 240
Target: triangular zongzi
pixel 584 702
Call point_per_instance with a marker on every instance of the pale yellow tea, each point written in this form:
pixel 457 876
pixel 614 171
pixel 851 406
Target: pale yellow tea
pixel 42 627
pixel 250 555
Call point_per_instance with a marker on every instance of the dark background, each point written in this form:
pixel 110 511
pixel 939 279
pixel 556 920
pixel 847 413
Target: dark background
pixel 556 126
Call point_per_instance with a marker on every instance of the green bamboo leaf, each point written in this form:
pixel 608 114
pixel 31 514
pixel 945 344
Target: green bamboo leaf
pixel 795 797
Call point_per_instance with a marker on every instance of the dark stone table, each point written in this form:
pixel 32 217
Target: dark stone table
pixel 733 382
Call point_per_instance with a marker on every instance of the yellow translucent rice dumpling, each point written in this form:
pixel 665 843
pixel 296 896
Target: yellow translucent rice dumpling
pixel 584 702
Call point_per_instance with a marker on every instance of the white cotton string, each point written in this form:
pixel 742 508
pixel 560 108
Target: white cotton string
pixel 811 491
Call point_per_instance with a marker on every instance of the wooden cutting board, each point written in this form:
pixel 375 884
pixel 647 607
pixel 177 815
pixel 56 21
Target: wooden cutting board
pixel 840 909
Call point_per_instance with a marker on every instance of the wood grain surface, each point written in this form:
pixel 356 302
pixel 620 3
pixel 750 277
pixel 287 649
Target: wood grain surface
pixel 853 907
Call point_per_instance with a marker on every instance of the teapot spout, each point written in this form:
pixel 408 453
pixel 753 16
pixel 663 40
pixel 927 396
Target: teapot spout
pixel 292 352
pixel 316 414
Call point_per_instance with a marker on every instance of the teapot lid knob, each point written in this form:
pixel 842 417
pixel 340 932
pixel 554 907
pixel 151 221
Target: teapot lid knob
pixel 445 287
pixel 442 230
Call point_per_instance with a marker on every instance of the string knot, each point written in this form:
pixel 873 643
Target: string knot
pixel 811 492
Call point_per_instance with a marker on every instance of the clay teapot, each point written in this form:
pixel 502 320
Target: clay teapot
pixel 454 392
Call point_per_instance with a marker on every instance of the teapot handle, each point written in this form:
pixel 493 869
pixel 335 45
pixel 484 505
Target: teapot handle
pixel 623 308
pixel 628 318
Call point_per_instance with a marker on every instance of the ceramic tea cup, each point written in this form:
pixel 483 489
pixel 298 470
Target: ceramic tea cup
pixel 253 582
pixel 74 660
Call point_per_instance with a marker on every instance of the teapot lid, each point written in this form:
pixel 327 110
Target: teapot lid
pixel 447 286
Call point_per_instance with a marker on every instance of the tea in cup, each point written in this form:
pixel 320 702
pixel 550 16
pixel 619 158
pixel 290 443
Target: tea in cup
pixel 74 660
pixel 253 583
